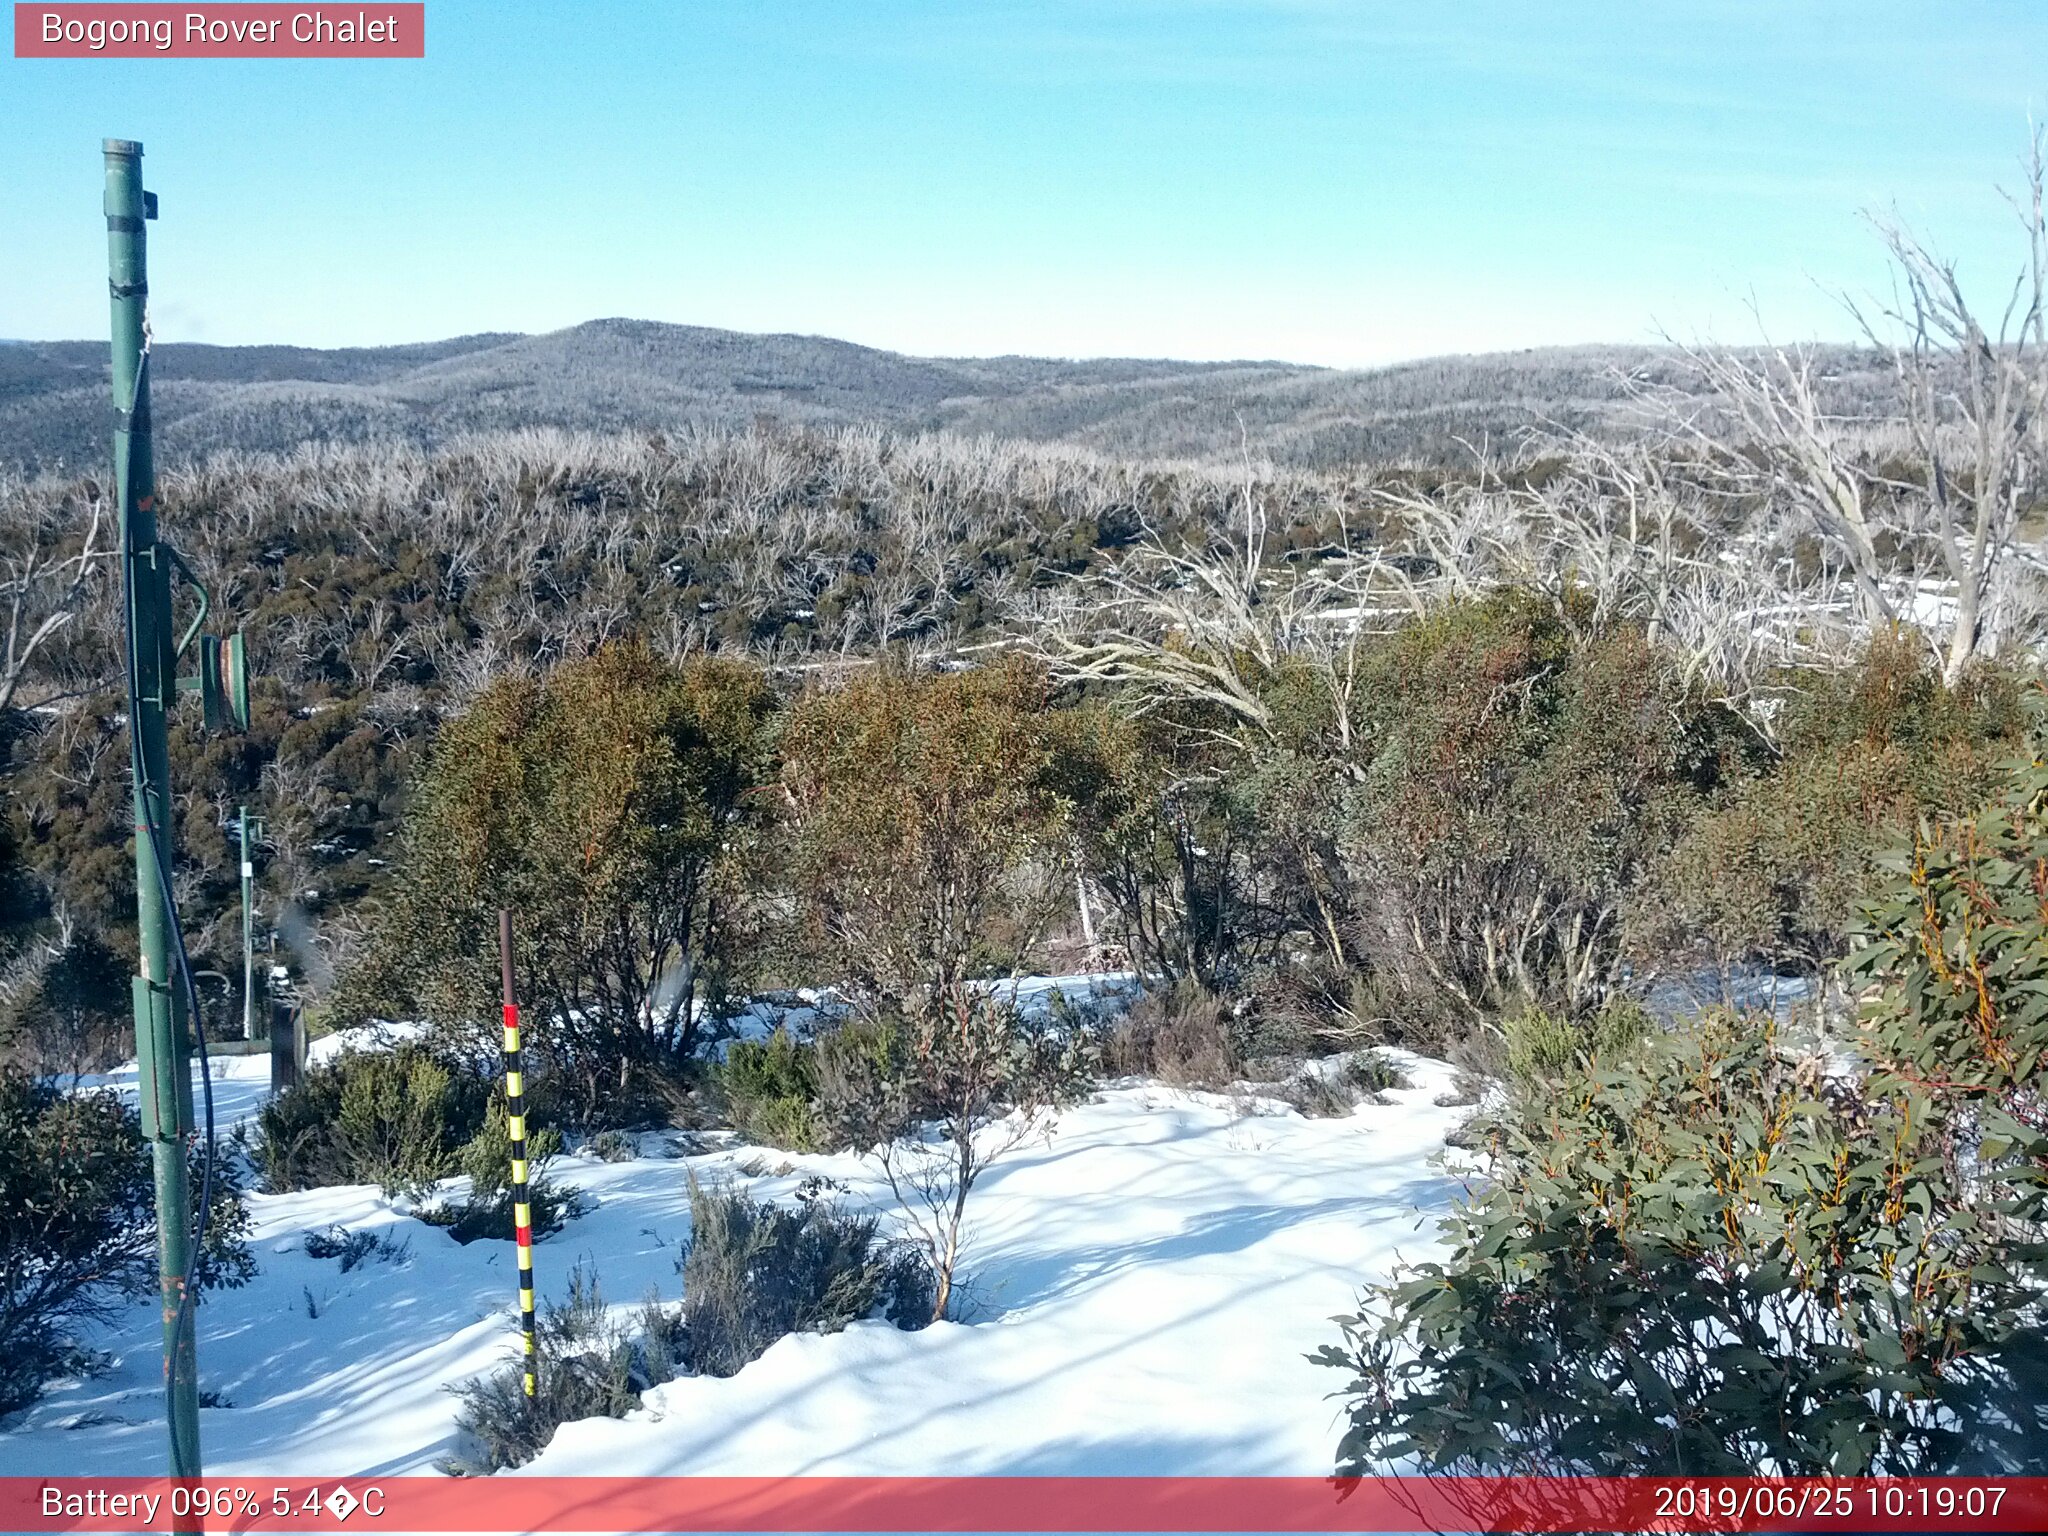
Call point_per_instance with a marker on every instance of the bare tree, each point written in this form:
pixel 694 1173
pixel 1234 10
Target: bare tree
pixel 1975 406
pixel 1209 625
pixel 43 590
pixel 1969 409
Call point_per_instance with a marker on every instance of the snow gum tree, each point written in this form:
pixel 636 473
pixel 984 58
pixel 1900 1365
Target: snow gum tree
pixel 607 804
pixel 928 828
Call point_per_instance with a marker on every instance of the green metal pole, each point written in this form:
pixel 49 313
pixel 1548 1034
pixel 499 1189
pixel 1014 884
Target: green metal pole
pixel 162 1049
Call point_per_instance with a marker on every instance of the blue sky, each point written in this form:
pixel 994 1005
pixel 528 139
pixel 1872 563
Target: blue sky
pixel 1340 183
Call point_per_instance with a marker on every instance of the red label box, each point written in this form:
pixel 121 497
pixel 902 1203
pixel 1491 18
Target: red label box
pixel 240 31
pixel 1670 1506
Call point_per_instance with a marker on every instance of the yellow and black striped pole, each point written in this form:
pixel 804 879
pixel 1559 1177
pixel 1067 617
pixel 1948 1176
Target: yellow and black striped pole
pixel 515 1126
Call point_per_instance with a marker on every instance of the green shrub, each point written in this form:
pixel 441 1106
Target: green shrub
pixel 613 1147
pixel 395 1118
pixel 769 1088
pixel 589 1365
pixel 353 1249
pixel 78 1226
pixel 1176 836
pixel 858 1059
pixel 1315 1007
pixel 489 1212
pixel 939 1097
pixel 1330 1095
pixel 610 802
pixel 756 1271
pixel 1775 871
pixel 1519 773
pixel 927 826
pixel 1178 1033
pixel 930 829
pixel 76 1018
pixel 1953 960
pixel 1716 1259
pixel 490 1216
pixel 392 1122
pixel 1373 1073
pixel 487 1156
pixel 1539 1046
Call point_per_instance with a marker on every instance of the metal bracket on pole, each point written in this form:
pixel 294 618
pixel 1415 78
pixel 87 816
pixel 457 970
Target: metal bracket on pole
pixel 166 1095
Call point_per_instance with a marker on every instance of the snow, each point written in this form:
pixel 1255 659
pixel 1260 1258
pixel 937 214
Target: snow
pixel 377 1036
pixel 1142 1289
pixel 801 1010
pixel 241 1084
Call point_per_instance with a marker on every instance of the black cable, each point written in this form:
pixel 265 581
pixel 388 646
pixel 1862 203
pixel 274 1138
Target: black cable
pixel 160 845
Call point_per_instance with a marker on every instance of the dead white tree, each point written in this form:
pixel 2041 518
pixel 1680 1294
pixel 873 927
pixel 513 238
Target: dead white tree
pixel 1969 409
pixel 1212 624
pixel 1976 406
pixel 1793 457
pixel 43 592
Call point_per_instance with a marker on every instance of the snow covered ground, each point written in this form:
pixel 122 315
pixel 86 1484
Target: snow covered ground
pixel 1142 1289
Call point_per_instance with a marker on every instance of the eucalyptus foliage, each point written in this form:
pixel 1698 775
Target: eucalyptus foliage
pixel 1716 1256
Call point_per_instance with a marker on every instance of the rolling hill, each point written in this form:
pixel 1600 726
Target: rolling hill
pixel 613 374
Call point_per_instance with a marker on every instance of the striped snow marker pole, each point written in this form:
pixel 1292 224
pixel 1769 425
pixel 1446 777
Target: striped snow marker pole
pixel 515 1126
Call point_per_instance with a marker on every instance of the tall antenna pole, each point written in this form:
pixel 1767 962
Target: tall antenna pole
pixel 162 1051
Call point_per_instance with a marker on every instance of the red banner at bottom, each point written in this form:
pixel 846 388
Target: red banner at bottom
pixel 978 1504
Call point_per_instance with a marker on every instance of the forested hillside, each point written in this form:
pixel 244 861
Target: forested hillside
pixel 614 375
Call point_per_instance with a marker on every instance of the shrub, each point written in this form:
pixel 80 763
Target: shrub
pixel 490 1216
pixel 1175 837
pixel 613 1147
pixel 391 1125
pixel 768 1088
pixel 76 1018
pixel 1331 1094
pixel 1315 1007
pixel 856 1058
pixel 395 1118
pixel 487 1156
pixel 1716 1259
pixel 938 1099
pixel 353 1249
pixel 925 814
pixel 1520 772
pixel 930 828
pixel 589 1365
pixel 1774 873
pixel 78 1226
pixel 1178 1033
pixel 489 1212
pixel 1538 1046
pixel 1953 958
pixel 756 1271
pixel 608 803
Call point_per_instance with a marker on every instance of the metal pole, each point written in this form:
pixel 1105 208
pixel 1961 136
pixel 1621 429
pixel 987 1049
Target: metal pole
pixel 161 1043
pixel 248 935
pixel 515 1130
pixel 286 1057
